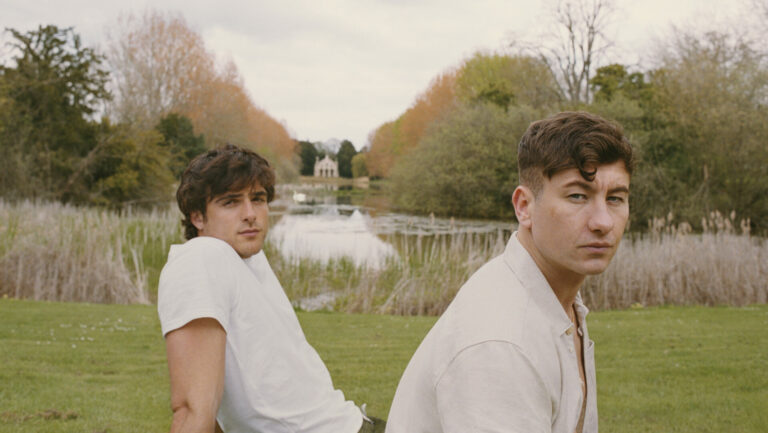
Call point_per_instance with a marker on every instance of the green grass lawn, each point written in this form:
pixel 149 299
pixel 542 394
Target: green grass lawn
pixel 101 368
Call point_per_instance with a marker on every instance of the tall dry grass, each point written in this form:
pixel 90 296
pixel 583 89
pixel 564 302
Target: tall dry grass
pixel 670 265
pixel 57 252
pixel 50 251
pixel 723 265
pixel 421 280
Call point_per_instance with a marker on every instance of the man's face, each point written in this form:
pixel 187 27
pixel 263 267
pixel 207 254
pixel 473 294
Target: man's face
pixel 238 217
pixel 576 225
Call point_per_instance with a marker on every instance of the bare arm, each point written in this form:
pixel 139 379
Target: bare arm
pixel 196 365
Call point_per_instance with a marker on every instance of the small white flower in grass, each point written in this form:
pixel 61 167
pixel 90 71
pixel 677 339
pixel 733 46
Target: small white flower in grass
pixel 74 346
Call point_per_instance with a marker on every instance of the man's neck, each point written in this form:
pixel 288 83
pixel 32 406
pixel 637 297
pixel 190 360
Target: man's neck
pixel 564 284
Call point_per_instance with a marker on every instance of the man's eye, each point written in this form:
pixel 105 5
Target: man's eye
pixel 259 199
pixel 616 199
pixel 577 196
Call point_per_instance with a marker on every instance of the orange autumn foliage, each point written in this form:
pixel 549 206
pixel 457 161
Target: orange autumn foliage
pixel 161 66
pixel 394 139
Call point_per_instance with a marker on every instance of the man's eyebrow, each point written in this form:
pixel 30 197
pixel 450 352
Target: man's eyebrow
pixel 227 196
pixel 621 188
pixel 580 183
pixel 589 186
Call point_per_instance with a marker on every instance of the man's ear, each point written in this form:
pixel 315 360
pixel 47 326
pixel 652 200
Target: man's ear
pixel 523 199
pixel 197 219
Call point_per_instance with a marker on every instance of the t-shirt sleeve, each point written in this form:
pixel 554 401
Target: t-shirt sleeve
pixel 492 387
pixel 197 282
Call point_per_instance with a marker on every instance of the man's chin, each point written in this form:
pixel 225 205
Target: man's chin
pixel 247 252
pixel 595 266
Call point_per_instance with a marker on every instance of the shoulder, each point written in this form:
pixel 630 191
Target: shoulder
pixel 202 251
pixel 199 280
pixel 204 246
pixel 492 305
pixel 199 259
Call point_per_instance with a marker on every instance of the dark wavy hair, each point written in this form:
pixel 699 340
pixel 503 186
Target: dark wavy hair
pixel 571 139
pixel 213 173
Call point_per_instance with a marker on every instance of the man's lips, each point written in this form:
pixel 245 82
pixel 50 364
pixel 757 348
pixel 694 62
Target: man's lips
pixel 597 246
pixel 249 232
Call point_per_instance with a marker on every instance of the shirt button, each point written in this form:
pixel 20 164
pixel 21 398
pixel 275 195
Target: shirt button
pixel 570 349
pixel 569 331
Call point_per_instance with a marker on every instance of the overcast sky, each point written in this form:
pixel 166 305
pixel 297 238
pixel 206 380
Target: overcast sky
pixel 339 69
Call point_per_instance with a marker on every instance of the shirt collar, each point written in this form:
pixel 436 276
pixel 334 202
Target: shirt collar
pixel 530 276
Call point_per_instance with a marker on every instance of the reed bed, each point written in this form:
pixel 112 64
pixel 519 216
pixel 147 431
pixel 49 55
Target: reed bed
pixel 670 265
pixel 51 251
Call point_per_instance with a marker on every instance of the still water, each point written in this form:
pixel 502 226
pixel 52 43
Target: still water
pixel 323 224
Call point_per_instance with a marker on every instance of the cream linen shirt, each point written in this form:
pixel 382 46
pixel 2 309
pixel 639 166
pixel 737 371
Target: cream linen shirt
pixel 500 359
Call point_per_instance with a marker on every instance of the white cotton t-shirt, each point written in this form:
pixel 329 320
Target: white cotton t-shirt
pixel 274 380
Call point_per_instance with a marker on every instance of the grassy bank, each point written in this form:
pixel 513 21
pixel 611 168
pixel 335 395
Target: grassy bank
pixel 101 368
pixel 55 252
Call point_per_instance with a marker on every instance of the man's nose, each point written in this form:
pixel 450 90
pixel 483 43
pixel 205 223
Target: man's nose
pixel 600 218
pixel 249 211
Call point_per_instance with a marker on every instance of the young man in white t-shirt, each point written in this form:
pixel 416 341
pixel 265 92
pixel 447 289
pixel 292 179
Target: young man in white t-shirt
pixel 238 359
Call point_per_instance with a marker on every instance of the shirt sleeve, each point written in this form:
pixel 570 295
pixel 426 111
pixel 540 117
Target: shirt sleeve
pixel 492 387
pixel 197 282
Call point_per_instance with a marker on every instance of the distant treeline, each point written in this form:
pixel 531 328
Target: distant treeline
pixel 118 128
pixel 698 121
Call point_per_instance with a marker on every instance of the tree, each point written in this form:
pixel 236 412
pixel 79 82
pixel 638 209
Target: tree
pixel 308 155
pixel 49 93
pixel 506 80
pixel 465 165
pixel 130 168
pixel 359 168
pixel 180 140
pixel 712 90
pixel 344 157
pixel 161 66
pixel 502 80
pixel 574 44
pixel 614 79
pixel 393 140
pixel 382 154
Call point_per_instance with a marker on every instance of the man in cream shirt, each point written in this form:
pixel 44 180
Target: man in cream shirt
pixel 512 352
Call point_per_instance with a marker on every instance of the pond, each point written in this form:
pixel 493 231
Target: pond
pixel 323 223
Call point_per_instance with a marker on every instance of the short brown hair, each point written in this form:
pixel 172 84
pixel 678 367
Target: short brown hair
pixel 571 139
pixel 210 174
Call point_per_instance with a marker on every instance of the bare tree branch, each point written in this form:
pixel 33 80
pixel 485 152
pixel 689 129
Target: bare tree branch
pixel 573 44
